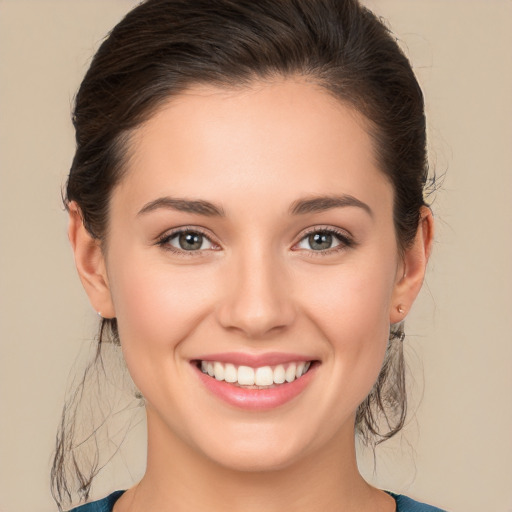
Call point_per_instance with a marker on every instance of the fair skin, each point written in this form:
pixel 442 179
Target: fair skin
pixel 255 285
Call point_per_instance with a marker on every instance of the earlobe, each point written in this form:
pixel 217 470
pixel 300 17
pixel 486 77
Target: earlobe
pixel 90 263
pixel 413 268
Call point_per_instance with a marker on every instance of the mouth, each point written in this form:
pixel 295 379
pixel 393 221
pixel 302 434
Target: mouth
pixel 255 387
pixel 262 377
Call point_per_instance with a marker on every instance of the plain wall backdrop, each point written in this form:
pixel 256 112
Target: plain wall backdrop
pixel 456 451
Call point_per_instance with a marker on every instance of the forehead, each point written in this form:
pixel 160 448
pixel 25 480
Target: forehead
pixel 281 138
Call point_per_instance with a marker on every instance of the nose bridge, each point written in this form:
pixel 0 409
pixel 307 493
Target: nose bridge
pixel 257 300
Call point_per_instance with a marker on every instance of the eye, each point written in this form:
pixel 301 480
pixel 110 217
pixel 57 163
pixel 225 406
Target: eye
pixel 324 240
pixel 187 240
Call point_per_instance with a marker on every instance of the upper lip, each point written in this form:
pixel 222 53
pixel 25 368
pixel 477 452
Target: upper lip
pixel 254 360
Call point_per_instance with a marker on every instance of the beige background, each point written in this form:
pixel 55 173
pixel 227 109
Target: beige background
pixel 457 450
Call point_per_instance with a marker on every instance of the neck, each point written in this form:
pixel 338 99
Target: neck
pixel 179 479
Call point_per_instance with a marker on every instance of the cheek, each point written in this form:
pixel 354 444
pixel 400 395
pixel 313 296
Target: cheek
pixel 158 308
pixel 352 302
pixel 156 305
pixel 350 306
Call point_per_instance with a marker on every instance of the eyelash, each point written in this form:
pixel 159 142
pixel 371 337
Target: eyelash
pixel 164 240
pixel 346 242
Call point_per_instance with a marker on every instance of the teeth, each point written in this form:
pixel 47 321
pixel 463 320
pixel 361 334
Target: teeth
pixel 230 373
pixel 279 374
pixel 263 376
pixel 245 376
pixel 218 368
pixel 290 373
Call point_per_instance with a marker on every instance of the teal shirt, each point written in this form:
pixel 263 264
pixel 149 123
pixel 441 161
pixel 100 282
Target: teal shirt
pixel 403 504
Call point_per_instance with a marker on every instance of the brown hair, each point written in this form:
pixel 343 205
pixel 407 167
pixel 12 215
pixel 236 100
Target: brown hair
pixel 163 46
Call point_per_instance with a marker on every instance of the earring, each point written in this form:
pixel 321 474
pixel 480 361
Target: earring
pixel 99 314
pixel 400 309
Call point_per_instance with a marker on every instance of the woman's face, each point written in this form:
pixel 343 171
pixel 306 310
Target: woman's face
pixel 253 229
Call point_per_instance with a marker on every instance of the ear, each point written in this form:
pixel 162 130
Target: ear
pixel 411 271
pixel 90 263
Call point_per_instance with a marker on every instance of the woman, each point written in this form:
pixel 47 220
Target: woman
pixel 247 216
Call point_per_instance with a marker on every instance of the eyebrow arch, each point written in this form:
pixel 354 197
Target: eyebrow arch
pixel 323 203
pixel 198 207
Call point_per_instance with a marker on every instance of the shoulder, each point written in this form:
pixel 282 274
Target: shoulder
pixel 406 504
pixel 104 505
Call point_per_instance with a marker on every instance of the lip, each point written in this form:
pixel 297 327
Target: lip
pixel 255 399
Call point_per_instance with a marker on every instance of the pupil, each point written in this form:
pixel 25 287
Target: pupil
pixel 320 241
pixel 191 241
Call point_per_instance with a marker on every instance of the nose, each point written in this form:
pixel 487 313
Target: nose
pixel 257 300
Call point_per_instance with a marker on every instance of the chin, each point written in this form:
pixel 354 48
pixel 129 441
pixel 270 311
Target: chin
pixel 257 460
pixel 258 449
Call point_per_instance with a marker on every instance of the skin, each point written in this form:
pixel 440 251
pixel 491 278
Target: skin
pixel 258 286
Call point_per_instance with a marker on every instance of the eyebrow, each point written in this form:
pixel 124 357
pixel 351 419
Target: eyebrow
pixel 300 207
pixel 323 203
pixel 198 207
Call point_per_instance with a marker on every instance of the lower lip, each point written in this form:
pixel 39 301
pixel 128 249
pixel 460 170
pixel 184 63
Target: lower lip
pixel 256 399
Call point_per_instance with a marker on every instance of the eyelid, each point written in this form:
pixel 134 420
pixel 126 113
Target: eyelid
pixel 344 237
pixel 163 239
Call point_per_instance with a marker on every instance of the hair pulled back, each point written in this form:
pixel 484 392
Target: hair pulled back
pixel 164 46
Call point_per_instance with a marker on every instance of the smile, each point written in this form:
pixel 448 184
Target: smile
pixel 271 380
pixel 262 377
